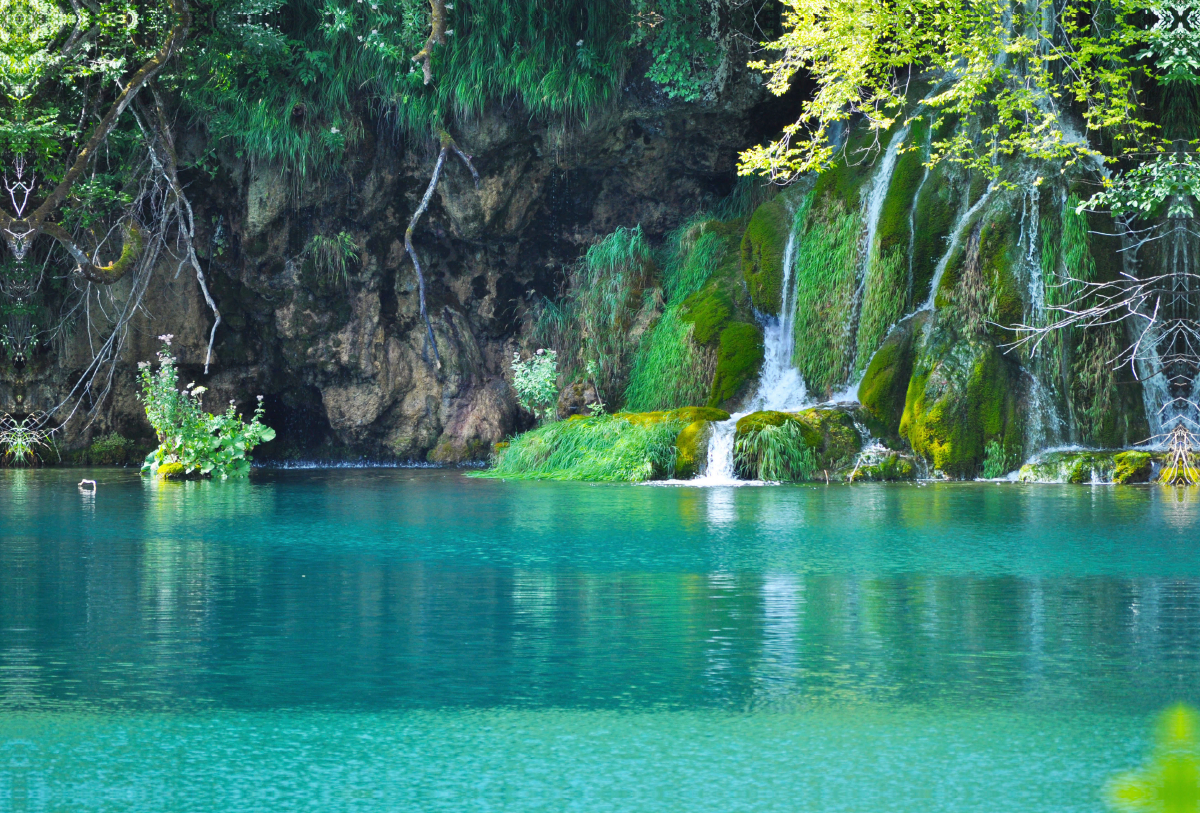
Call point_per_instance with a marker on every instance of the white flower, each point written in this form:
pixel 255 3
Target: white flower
pixel 199 391
pixel 335 130
pixel 166 338
pixel 142 365
pixel 541 352
pixel 579 44
pixel 260 398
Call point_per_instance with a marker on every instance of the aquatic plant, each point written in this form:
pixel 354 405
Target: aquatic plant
pixel 534 380
pixel 611 448
pixel 23 441
pixel 193 442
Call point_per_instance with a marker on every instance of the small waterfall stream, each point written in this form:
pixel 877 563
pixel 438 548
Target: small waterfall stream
pixel 780 386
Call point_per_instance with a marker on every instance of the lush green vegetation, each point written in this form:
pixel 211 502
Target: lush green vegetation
pixel 193 442
pixel 593 327
pixel 610 448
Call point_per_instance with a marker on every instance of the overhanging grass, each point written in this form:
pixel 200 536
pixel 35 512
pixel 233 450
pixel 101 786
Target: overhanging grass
pixel 606 448
pixel 775 453
pixel 669 370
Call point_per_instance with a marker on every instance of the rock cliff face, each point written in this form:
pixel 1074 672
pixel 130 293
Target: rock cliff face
pixel 343 360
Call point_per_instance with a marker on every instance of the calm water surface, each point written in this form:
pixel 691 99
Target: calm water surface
pixel 415 640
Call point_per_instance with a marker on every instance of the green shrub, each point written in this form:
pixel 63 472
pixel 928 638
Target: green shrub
pixel 203 444
pixel 534 381
pixel 110 450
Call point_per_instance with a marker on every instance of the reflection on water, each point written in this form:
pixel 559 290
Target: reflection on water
pixel 359 602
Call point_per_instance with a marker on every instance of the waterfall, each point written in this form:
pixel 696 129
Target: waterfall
pixel 912 209
pixel 780 385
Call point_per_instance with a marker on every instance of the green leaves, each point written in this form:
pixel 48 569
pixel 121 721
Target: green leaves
pixel 1009 70
pixel 1171 182
pixel 213 445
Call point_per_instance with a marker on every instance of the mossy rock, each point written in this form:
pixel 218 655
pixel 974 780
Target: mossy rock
pixel 708 310
pixel 763 247
pixel 692 442
pixel 1132 467
pixel 739 359
pixel 956 404
pixel 692 449
pixel 885 384
pixel 686 415
pixel 997 247
pixel 933 219
pixel 830 433
pixel 1089 467
pixel 892 468
pixel 172 471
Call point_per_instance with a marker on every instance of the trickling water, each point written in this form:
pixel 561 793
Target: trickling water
pixel 780 385
pixel 956 235
pixel 912 209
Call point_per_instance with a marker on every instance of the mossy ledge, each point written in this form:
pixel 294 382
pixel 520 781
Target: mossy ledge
pixel 628 447
pixel 1092 466
pixel 830 435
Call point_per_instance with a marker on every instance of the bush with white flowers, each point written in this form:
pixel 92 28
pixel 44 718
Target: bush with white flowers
pixel 535 382
pixel 192 442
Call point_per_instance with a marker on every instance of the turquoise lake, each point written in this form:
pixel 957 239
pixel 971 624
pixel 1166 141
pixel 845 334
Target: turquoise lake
pixel 418 640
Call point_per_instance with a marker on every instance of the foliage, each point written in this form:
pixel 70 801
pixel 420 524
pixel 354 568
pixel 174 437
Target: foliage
pixel 826 266
pixel 669 370
pixel 202 443
pixel 109 450
pixel 1170 182
pixel 1010 72
pixel 332 257
pixel 534 380
pixel 683 38
pixel 592 325
pixel 290 82
pixel 776 453
pixel 609 448
pixel 23 441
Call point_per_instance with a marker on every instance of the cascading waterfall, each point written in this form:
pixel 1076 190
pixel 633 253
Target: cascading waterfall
pixel 780 385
